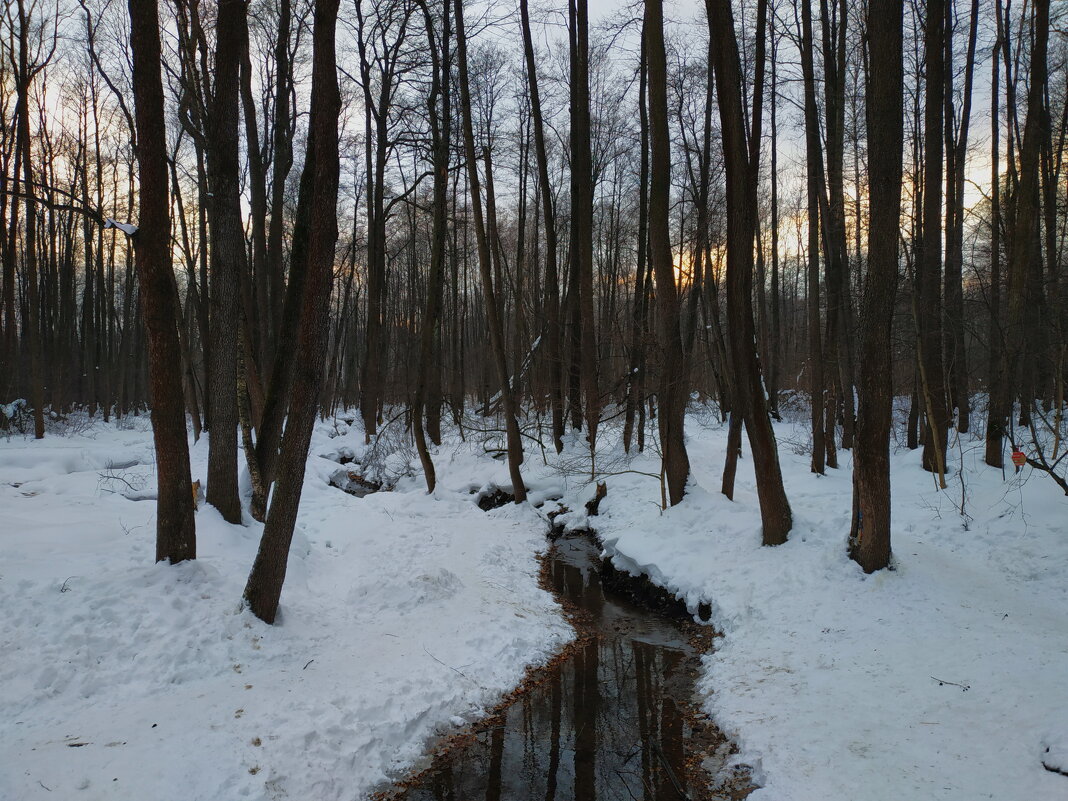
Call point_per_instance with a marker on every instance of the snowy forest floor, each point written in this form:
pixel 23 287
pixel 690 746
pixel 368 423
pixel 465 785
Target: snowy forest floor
pixel 404 615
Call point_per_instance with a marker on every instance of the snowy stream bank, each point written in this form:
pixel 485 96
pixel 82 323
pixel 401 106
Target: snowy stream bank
pixel 402 615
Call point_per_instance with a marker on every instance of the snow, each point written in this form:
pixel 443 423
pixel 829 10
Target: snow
pixel 127 228
pixel 946 678
pixel 401 616
pixel 405 614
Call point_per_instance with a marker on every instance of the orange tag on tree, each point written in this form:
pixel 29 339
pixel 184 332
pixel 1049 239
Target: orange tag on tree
pixel 1019 458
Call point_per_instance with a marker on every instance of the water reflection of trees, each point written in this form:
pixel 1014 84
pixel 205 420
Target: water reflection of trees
pixel 605 725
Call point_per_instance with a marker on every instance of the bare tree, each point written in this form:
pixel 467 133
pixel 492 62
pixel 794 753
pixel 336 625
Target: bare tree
pixel 673 389
pixel 175 525
pixel 264 587
pixel 493 320
pixel 440 114
pixel 741 169
pixel 869 537
pixel 929 259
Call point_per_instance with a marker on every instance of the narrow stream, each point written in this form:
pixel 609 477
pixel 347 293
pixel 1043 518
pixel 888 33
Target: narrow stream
pixel 610 721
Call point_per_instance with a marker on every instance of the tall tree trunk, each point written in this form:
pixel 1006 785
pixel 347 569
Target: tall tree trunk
pixel 814 161
pixel 956 153
pixel 253 280
pixel 31 326
pixel 175 525
pixel 929 262
pixel 774 366
pixel 552 280
pixel 440 124
pixel 282 163
pixel 496 331
pixel 1020 350
pixel 264 587
pixel 869 536
pixel 741 170
pixel 227 261
pixel 996 410
pixel 582 215
pixel 834 18
pixel 673 385
pixel 640 313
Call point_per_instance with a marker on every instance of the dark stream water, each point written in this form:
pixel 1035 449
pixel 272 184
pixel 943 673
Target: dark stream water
pixel 608 722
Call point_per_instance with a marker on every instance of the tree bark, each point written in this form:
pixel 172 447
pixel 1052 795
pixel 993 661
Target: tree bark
pixel 814 186
pixel 175 525
pixel 741 169
pixel 869 537
pixel 552 280
pixel 440 125
pixel 228 263
pixel 496 332
pixel 929 262
pixel 582 215
pixel 996 412
pixel 264 587
pixel 1020 351
pixel 673 385
pixel 957 152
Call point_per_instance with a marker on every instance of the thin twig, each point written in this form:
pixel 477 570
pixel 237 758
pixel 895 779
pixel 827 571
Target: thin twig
pixel 450 667
pixel 964 687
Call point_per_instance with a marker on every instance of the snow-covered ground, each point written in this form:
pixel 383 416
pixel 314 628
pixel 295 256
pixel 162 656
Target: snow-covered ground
pixel 946 678
pixel 403 614
pixel 122 679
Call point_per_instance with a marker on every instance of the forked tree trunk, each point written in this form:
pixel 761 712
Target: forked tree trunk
pixel 741 168
pixel 269 435
pixel 264 587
